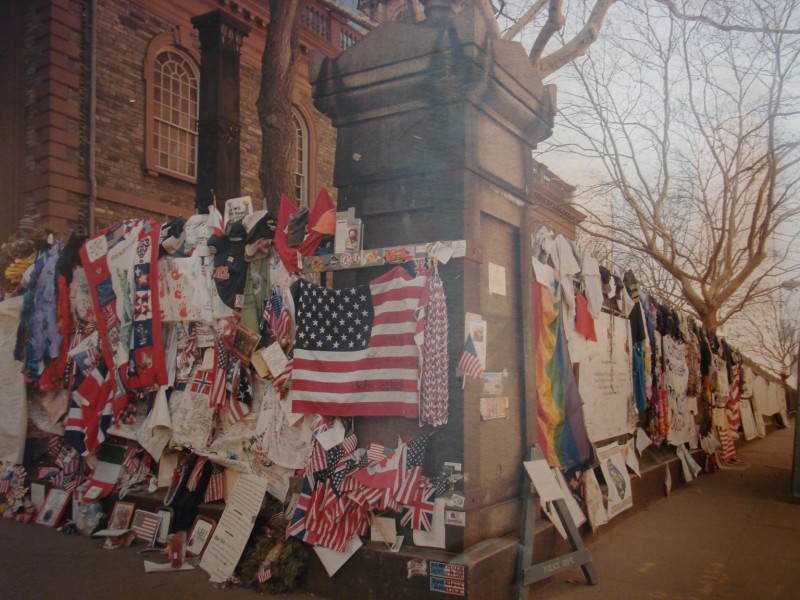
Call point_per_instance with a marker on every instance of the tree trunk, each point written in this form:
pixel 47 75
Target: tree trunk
pixel 274 103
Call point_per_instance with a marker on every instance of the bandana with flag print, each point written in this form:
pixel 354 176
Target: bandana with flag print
pixel 434 395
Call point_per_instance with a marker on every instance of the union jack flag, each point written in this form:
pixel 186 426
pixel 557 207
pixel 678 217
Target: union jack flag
pixel 418 513
pixel 297 527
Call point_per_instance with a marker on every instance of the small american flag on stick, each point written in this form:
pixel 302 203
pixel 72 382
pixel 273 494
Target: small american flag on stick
pixel 469 361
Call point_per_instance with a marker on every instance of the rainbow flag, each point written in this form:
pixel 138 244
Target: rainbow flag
pixel 561 429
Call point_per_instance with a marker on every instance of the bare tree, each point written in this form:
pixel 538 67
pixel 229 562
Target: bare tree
pixel 274 102
pixel 769 333
pixel 688 123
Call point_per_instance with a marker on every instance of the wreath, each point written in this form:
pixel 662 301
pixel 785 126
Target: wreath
pixel 274 564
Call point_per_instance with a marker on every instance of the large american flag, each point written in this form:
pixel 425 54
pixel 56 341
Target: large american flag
pixel 355 349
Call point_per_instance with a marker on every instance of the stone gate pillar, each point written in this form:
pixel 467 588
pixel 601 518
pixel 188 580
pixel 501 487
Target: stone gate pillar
pixel 436 122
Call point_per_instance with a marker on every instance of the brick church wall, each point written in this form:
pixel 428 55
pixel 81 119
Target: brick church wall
pixel 57 115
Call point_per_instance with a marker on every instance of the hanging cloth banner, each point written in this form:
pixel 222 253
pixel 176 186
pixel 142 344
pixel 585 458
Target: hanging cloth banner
pixel 562 431
pixel 121 266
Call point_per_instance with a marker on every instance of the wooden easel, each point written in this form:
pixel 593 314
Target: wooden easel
pixel 527 573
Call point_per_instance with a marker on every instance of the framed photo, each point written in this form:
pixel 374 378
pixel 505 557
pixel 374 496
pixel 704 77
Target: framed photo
pixel 245 343
pixel 121 515
pixel 53 508
pixel 165 528
pixel 145 525
pixel 199 535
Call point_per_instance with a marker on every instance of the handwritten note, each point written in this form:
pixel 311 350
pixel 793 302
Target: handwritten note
pixel 230 536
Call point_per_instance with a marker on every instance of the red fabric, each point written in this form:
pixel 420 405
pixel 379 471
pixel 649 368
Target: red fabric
pixel 310 244
pixel 584 323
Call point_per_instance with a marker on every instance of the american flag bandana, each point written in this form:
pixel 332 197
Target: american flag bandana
pixel 469 361
pixel 434 395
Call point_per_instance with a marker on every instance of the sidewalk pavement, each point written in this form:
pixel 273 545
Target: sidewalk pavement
pixel 731 535
pixel 734 534
pixel 38 563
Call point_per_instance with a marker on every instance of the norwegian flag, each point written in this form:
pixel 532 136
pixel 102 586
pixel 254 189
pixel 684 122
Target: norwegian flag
pixel 215 490
pixel 418 513
pixel 469 361
pixel 201 384
pixel 410 477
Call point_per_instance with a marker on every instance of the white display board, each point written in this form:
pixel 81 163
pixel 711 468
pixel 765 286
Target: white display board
pixel 604 372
